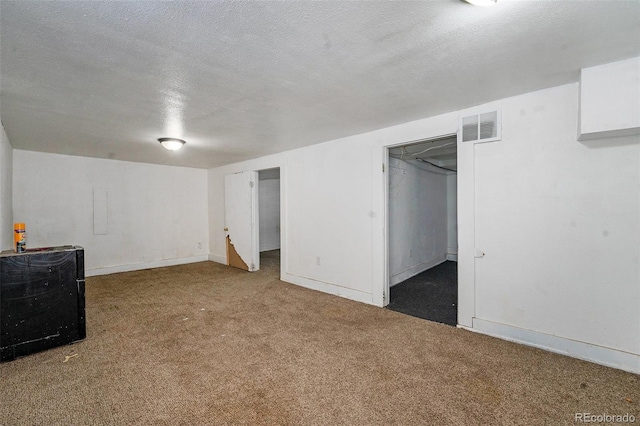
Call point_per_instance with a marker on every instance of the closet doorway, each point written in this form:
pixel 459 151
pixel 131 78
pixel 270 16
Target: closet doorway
pixel 422 229
pixel 269 219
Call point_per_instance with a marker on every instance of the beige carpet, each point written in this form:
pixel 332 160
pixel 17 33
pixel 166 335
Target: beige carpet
pixel 206 344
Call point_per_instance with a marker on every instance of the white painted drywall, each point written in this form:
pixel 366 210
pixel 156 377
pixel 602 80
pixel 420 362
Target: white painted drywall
pixel 6 192
pixel 452 216
pixel 157 215
pixel 325 244
pixel 610 100
pixel 559 223
pixel 269 201
pixel 332 208
pixel 417 219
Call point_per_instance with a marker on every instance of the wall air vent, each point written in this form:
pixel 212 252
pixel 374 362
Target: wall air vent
pixel 484 127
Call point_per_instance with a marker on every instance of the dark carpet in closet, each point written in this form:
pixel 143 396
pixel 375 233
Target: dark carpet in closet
pixel 431 295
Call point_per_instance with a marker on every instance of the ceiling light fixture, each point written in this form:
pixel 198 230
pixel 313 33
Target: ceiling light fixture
pixel 481 2
pixel 172 144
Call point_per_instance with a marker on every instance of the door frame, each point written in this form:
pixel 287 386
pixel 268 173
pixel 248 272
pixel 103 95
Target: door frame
pixel 466 226
pixel 386 149
pixel 279 205
pixel 283 214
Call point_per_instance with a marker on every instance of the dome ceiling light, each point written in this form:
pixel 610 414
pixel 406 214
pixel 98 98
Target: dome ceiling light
pixel 481 2
pixel 172 144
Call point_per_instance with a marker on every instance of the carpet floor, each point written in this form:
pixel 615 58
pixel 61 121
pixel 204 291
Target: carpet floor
pixel 204 344
pixel 430 295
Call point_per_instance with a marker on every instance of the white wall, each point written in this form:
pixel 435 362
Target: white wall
pixel 558 219
pixel 417 219
pixel 157 215
pixel 559 222
pixel 452 216
pixel 6 191
pixel 320 243
pixel 332 207
pixel 269 205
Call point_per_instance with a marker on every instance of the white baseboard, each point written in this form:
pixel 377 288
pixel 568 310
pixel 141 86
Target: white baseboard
pixel 452 256
pixel 144 265
pixel 218 259
pixel 586 351
pixel 415 270
pixel 312 284
pixel 269 247
pixel 336 290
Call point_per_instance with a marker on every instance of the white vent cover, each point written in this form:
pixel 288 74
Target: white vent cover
pixel 485 127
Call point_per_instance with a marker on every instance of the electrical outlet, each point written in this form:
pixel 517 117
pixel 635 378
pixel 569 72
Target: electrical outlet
pixel 199 246
pixel 317 261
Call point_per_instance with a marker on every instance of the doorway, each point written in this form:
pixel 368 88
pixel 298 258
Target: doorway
pixel 422 229
pixel 269 219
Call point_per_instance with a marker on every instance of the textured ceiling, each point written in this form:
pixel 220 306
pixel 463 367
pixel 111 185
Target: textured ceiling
pixel 240 80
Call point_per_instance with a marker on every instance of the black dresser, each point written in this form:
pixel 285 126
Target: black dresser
pixel 41 300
